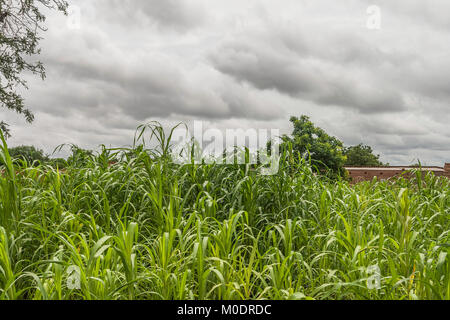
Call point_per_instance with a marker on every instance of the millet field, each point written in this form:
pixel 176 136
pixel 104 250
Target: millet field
pixel 131 224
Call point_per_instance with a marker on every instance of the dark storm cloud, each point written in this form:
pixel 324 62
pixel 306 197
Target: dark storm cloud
pixel 309 74
pixel 149 85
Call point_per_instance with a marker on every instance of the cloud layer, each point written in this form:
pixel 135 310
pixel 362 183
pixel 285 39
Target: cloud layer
pixel 239 65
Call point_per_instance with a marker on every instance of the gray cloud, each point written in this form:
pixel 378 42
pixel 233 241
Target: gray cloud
pixel 178 15
pixel 315 71
pixel 239 65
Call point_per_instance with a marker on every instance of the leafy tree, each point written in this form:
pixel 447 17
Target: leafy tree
pixel 58 162
pixel 361 155
pixel 29 154
pixel 20 24
pixel 80 157
pixel 311 142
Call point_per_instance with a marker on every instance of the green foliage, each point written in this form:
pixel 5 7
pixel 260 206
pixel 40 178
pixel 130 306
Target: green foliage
pixel 146 228
pixel 80 156
pixel 29 154
pixel 311 142
pixel 20 24
pixel 58 162
pixel 361 155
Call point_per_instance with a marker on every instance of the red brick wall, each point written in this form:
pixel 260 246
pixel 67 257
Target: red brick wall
pixel 364 175
pixel 361 174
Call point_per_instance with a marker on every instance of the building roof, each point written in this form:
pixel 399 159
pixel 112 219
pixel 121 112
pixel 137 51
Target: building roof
pixel 395 168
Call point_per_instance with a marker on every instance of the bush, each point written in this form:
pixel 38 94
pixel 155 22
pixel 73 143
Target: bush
pixel 30 154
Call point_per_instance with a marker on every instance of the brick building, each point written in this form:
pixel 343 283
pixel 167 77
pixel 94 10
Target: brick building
pixel 358 174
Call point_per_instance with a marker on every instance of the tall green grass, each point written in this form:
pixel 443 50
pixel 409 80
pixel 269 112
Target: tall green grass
pixel 136 226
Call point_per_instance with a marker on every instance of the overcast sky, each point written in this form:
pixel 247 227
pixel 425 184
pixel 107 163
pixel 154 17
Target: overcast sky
pixel 247 64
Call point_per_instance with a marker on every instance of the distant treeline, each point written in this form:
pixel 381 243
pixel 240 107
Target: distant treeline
pixel 307 141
